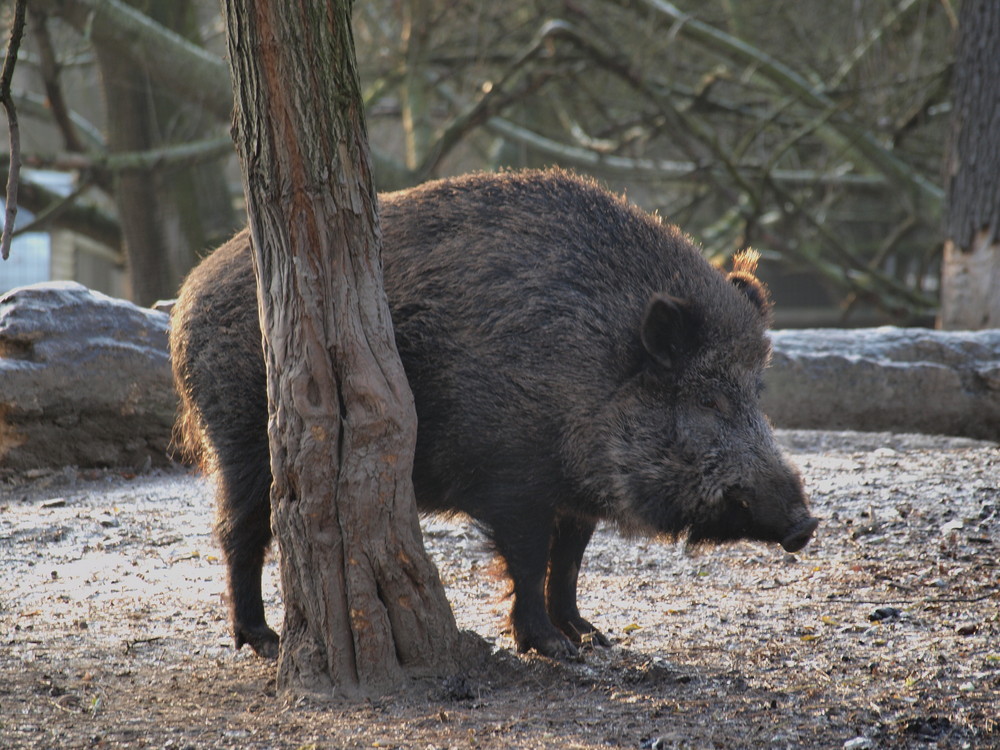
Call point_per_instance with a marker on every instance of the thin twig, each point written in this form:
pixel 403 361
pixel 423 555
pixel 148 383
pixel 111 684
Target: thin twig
pixel 860 142
pixel 870 40
pixel 52 212
pixel 129 645
pixel 959 599
pixel 494 100
pixel 16 32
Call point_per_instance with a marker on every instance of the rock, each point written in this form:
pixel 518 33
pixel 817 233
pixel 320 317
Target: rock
pixel 886 379
pixel 928 728
pixel 885 614
pixel 84 380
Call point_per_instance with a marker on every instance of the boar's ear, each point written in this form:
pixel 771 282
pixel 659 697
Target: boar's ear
pixel 743 277
pixel 668 329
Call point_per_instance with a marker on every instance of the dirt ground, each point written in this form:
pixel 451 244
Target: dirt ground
pixel 882 633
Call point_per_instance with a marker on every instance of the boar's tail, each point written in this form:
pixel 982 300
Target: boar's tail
pixel 188 440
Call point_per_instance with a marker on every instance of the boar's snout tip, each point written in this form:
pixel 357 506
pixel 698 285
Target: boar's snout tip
pixel 800 535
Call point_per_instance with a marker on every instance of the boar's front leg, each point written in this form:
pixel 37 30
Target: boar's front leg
pixel 522 539
pixel 569 540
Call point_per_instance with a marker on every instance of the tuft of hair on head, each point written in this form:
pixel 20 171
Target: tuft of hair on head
pixel 744 277
pixel 745 261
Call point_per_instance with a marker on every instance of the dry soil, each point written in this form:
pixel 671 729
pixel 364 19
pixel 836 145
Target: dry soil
pixel 882 633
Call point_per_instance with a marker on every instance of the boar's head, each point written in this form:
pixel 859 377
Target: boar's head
pixel 691 452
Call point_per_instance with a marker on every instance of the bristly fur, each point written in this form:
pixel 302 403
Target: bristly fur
pixel 572 359
pixel 745 261
pixel 744 277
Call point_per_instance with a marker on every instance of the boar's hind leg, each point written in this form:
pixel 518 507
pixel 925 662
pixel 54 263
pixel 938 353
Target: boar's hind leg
pixel 523 542
pixel 244 532
pixel 569 539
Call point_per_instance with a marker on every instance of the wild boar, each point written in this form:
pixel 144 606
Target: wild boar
pixel 573 359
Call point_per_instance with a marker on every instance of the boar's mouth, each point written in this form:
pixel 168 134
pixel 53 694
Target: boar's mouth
pixel 800 535
pixel 743 518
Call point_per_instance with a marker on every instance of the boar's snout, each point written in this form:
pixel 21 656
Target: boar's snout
pixel 777 510
pixel 800 534
pixel 799 524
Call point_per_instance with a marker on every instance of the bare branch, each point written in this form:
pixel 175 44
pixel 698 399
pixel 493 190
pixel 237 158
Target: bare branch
pixel 861 278
pixel 858 139
pixel 892 17
pixel 496 97
pixel 49 66
pixel 599 157
pixel 32 105
pixel 79 217
pixel 175 155
pixel 16 31
pixel 177 64
pixel 169 58
pixel 53 211
pixel 661 169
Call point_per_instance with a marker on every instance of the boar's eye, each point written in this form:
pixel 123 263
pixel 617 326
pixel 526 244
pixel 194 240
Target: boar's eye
pixel 716 403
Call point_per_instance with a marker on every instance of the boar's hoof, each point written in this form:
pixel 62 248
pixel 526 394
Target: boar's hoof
pixel 556 646
pixel 551 643
pixel 594 638
pixel 262 640
pixel 582 633
pixel 800 535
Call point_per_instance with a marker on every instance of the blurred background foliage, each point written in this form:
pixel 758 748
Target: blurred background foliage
pixel 813 131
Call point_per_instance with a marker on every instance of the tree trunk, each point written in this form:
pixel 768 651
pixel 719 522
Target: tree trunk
pixel 970 278
pixel 140 208
pixel 414 97
pixel 167 215
pixel 201 212
pixel 364 606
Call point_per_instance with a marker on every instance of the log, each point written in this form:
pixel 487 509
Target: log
pixel 85 380
pixel 886 379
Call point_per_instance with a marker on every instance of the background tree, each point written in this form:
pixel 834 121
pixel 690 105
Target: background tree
pixel 168 210
pixel 970 294
pixel 168 215
pixel 363 604
pixel 814 134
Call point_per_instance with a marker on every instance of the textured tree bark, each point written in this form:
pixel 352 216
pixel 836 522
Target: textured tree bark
pixel 970 279
pixel 364 607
